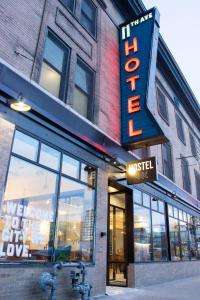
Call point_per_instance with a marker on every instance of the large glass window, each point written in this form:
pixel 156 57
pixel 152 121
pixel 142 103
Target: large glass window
pixel 174 239
pixel 88 16
pixel 142 233
pixel 75 222
pixel 83 90
pixel 54 67
pixel 159 237
pixel 27 219
pixel 35 190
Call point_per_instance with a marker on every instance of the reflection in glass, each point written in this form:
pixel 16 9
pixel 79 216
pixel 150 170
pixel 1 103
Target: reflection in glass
pixel 159 237
pixel 49 157
pixel 146 200
pixel 75 222
pixel 70 166
pixel 25 146
pixel 184 240
pixel 27 220
pixel 117 273
pixel 142 234
pixel 137 196
pixel 118 199
pixel 88 174
pixel 192 242
pixel 174 239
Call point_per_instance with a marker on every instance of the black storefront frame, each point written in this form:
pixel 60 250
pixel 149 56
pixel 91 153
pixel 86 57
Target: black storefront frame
pixel 60 175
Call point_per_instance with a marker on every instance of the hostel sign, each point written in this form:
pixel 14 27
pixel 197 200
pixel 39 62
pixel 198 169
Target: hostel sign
pixel 138 51
pixel 140 171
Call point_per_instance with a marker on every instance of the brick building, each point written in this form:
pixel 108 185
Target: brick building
pixel 62 195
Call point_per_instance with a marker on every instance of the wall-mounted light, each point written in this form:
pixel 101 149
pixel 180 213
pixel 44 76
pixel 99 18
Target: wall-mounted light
pixel 19 104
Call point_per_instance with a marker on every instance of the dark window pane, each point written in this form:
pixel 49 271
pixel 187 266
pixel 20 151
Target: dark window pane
pixel 179 125
pixel 28 209
pixel 68 3
pixel 193 145
pixel 88 16
pixel 25 146
pixel 174 239
pixel 75 222
pixel 50 157
pixel 142 234
pixel 197 181
pixel 83 90
pixel 54 54
pixel 54 67
pixel 159 237
pixel 162 105
pixel 83 78
pixel 70 166
pixel 185 175
pixel 167 161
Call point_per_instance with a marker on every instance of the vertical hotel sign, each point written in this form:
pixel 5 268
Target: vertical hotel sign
pixel 138 51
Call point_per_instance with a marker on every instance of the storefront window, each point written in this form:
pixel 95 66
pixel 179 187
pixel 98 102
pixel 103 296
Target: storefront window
pixel 27 219
pixel 184 240
pixel 159 237
pixel 75 222
pixel 30 203
pixel 174 239
pixel 142 233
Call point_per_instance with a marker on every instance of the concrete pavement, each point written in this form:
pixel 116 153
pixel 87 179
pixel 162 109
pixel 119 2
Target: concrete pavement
pixel 184 289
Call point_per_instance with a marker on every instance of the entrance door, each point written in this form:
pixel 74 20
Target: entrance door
pixel 117 252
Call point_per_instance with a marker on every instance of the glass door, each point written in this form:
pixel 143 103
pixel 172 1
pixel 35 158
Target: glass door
pixel 117 262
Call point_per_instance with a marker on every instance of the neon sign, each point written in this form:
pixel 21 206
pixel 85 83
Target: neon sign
pixel 138 49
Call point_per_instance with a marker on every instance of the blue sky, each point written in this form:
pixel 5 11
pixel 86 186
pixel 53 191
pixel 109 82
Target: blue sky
pixel 180 28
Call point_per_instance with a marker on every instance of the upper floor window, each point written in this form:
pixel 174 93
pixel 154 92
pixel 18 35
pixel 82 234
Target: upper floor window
pixel 167 161
pixel 83 90
pixel 54 66
pixel 197 179
pixel 88 16
pixel 180 131
pixel 162 105
pixel 185 175
pixel 69 4
pixel 193 145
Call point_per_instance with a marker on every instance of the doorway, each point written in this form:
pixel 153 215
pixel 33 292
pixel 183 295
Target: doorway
pixel 117 261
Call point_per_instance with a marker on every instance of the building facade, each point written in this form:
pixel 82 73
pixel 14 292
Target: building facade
pixel 64 195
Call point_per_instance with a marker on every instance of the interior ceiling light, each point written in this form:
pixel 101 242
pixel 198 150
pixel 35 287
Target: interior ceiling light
pixel 19 104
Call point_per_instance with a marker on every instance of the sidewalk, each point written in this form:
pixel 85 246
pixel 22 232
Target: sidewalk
pixel 184 289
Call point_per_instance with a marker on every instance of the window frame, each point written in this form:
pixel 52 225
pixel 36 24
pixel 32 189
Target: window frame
pixel 180 129
pixel 73 6
pixel 60 175
pixel 172 161
pixel 65 67
pixel 184 163
pixel 94 35
pixel 91 96
pixel 193 145
pixel 166 119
